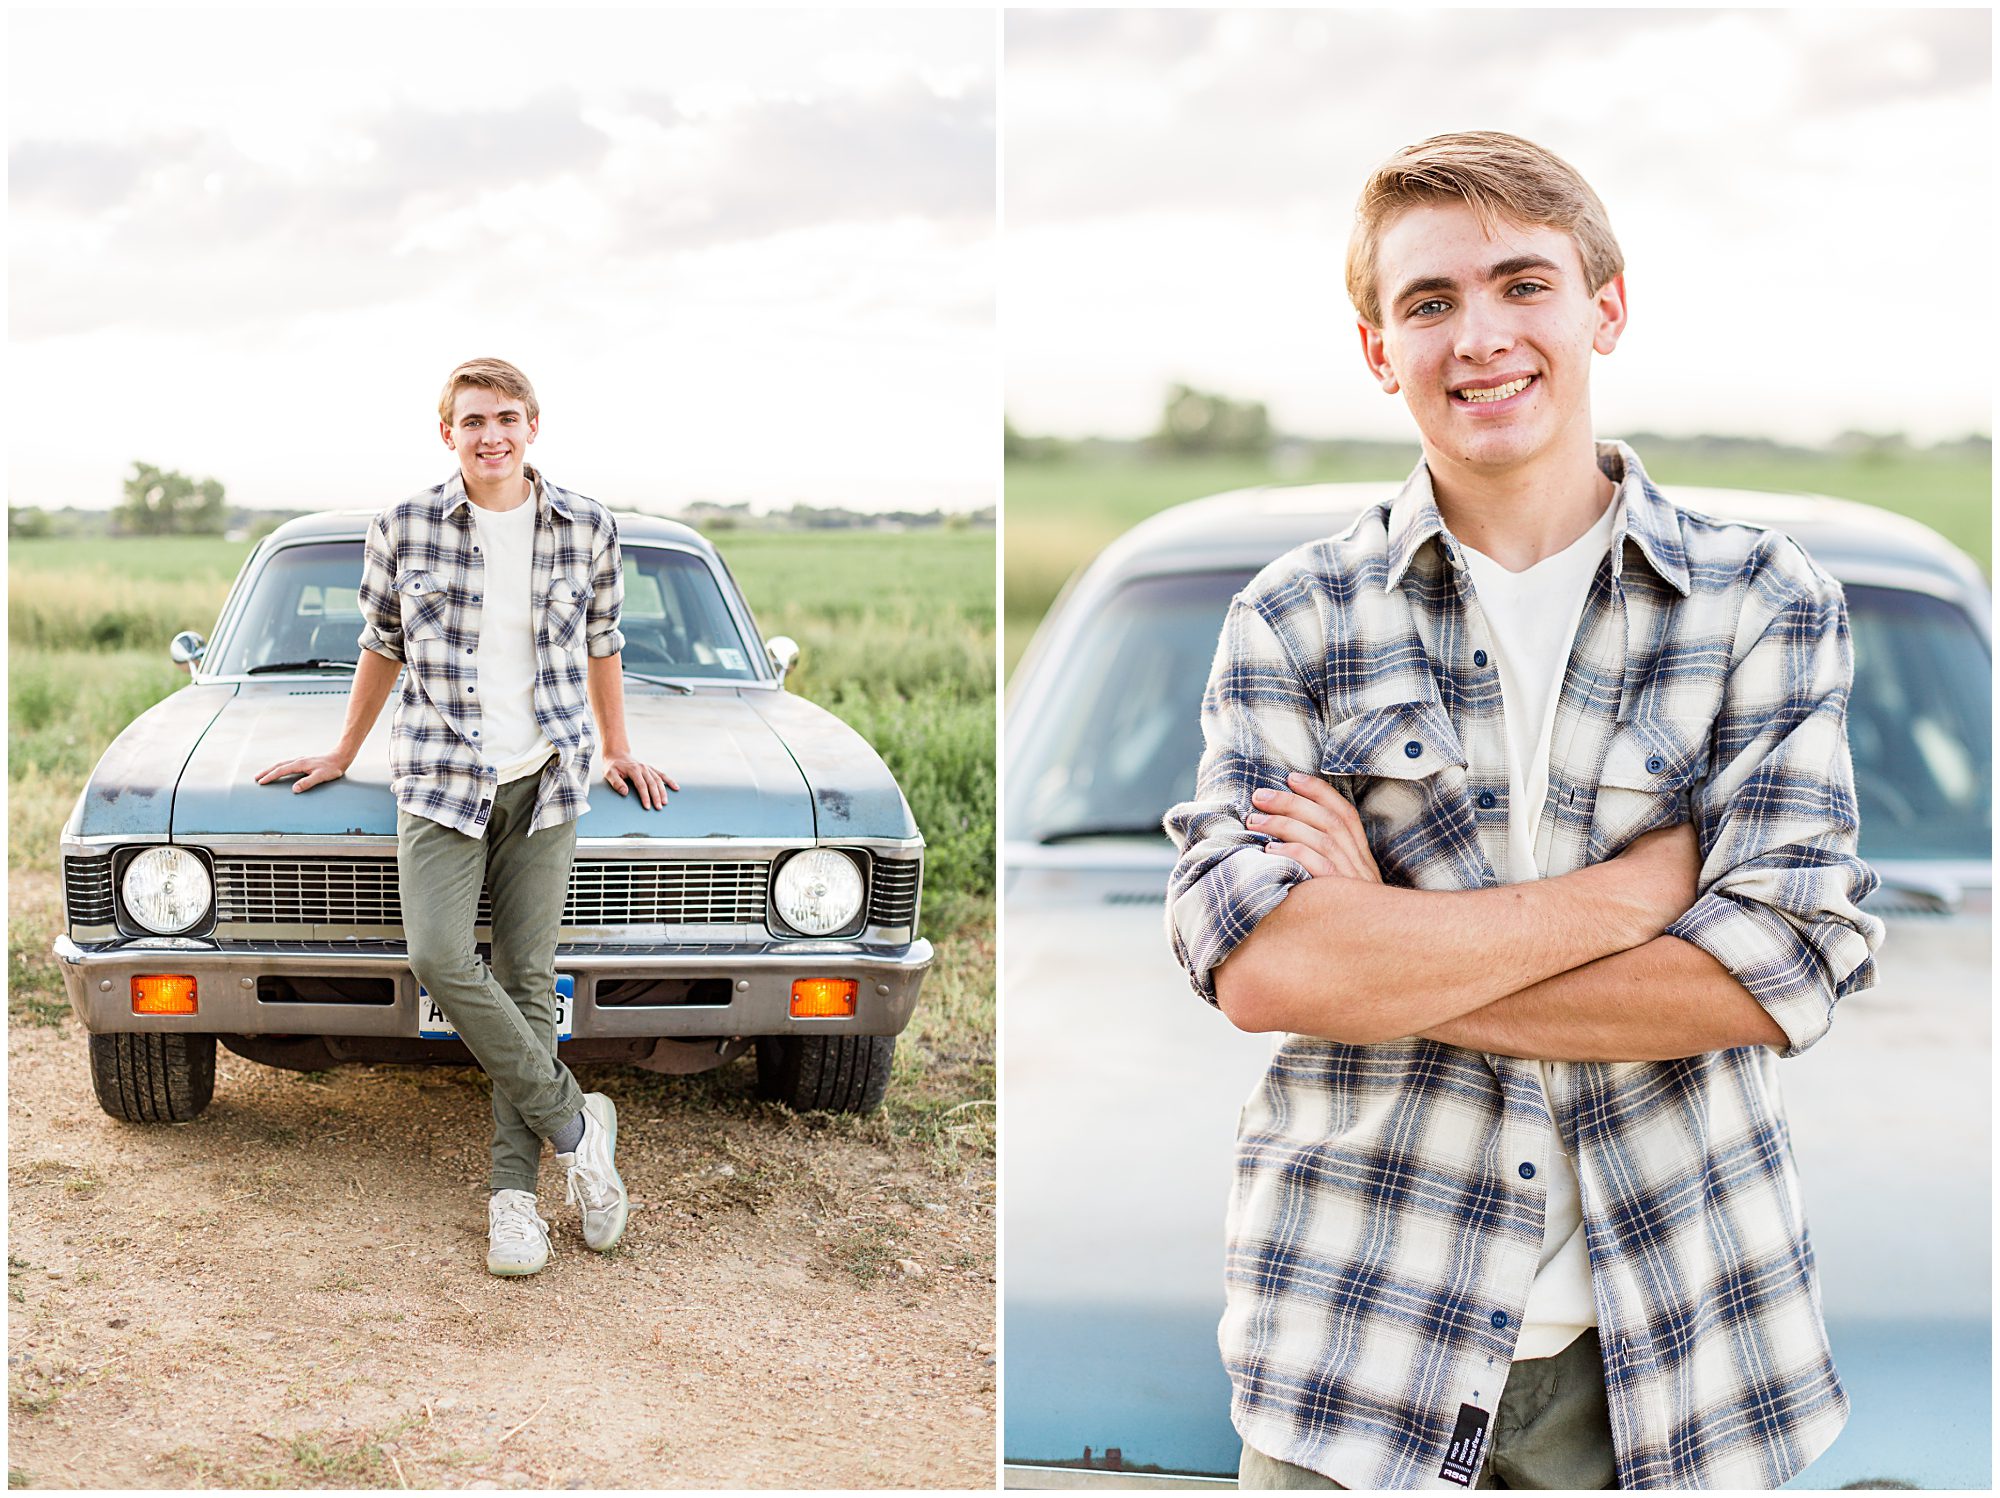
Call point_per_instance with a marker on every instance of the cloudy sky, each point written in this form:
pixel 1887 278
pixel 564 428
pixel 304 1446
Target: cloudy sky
pixel 742 256
pixel 1803 198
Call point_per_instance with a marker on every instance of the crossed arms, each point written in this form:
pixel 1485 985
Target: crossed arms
pixel 1575 968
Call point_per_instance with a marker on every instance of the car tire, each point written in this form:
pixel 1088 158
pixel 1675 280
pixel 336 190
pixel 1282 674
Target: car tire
pixel 838 1073
pixel 153 1078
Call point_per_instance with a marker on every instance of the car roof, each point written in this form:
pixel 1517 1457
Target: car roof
pixel 1250 527
pixel 352 525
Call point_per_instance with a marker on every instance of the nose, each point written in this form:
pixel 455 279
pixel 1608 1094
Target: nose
pixel 1483 333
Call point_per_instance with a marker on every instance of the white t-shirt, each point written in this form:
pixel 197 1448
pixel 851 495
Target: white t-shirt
pixel 1532 617
pixel 513 741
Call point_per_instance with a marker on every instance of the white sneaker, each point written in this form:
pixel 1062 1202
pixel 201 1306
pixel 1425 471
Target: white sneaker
pixel 593 1179
pixel 517 1239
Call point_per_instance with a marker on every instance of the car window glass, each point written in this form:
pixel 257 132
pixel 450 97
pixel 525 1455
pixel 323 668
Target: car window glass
pixel 1118 740
pixel 683 626
pixel 302 606
pixel 1920 726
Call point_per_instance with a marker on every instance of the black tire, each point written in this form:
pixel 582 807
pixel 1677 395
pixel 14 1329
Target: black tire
pixel 153 1078
pixel 840 1073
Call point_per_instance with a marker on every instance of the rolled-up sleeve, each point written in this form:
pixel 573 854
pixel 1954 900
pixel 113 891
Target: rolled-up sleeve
pixel 381 612
pixel 1781 879
pixel 1259 723
pixel 602 635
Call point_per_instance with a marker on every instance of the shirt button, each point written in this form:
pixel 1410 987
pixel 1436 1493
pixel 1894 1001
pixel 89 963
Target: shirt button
pixel 1486 799
pixel 1527 1170
pixel 1413 749
pixel 1478 657
pixel 1499 1320
pixel 1654 764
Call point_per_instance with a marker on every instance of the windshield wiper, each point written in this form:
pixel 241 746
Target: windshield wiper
pixel 1107 829
pixel 660 681
pixel 302 666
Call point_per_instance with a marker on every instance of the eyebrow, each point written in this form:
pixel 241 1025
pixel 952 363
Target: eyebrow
pixel 481 415
pixel 1497 272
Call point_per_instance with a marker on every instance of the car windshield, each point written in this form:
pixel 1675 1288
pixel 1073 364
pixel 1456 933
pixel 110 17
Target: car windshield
pixel 1117 741
pixel 303 610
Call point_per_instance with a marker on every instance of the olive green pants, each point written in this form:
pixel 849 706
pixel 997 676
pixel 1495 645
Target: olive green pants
pixel 505 1011
pixel 1552 1430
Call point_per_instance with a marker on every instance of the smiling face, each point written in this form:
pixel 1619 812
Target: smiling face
pixel 1488 339
pixel 490 432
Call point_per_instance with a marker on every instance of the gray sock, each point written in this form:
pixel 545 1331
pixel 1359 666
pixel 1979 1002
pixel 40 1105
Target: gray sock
pixel 569 1136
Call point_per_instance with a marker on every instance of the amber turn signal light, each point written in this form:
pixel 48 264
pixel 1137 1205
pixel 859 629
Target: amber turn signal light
pixel 164 993
pixel 823 998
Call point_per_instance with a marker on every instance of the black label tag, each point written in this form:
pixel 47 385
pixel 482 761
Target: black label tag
pixel 1468 1446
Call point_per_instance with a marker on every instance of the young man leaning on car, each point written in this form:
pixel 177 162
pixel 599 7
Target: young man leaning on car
pixel 486 588
pixel 1526 815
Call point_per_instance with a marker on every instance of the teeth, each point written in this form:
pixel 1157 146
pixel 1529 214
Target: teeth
pixel 1497 392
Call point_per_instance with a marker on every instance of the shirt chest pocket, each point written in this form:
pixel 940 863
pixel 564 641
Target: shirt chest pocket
pixel 1652 767
pixel 423 603
pixel 567 600
pixel 1400 765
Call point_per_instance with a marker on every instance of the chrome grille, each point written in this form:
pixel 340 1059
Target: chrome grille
pixel 893 900
pixel 87 890
pixel 602 892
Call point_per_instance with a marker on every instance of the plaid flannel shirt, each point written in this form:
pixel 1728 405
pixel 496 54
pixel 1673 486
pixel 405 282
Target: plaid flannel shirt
pixel 1385 1228
pixel 422 578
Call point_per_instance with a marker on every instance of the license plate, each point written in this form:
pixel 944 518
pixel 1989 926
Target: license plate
pixel 432 1025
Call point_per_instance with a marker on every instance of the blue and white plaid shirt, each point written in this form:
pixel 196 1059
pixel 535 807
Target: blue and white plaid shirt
pixel 1383 1232
pixel 422 582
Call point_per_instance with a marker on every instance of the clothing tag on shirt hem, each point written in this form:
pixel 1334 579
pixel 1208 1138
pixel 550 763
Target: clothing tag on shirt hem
pixel 1468 1446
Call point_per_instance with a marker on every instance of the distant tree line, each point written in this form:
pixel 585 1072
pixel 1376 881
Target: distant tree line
pixel 160 502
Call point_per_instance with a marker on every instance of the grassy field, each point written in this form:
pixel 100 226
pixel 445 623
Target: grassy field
pixel 896 635
pixel 1062 512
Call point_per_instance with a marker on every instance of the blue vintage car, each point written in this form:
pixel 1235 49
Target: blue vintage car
pixel 1123 1088
pixel 773 902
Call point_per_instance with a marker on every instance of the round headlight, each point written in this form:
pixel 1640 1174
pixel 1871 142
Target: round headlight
pixel 818 891
pixel 167 889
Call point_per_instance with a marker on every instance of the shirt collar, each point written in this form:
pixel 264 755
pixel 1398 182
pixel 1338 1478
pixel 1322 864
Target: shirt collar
pixel 547 496
pixel 1642 515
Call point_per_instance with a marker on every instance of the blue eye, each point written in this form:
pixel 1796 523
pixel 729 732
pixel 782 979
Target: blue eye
pixel 1418 310
pixel 1526 286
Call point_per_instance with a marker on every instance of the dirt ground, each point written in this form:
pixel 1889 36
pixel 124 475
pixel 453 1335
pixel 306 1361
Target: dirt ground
pixel 291 1292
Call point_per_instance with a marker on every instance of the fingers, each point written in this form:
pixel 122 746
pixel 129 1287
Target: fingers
pixel 615 780
pixel 279 770
pixel 1316 864
pixel 1315 815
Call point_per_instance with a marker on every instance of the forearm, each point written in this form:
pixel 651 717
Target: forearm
pixel 374 675
pixel 605 682
pixel 1657 1002
pixel 1357 961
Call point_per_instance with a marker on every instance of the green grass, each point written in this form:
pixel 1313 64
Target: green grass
pixel 1061 512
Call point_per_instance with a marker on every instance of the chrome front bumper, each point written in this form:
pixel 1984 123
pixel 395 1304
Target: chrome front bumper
pixel 99 981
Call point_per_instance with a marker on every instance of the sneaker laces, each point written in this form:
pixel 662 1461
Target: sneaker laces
pixel 594 1194
pixel 516 1223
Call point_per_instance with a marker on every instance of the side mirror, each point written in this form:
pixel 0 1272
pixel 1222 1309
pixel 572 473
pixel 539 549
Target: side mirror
pixel 187 648
pixel 784 653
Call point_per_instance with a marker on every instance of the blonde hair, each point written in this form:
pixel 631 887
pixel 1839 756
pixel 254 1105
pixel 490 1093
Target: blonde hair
pixel 1499 177
pixel 487 374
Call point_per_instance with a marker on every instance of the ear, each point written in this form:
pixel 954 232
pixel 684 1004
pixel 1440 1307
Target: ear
pixel 1610 314
pixel 1376 356
pixel 444 431
pixel 534 427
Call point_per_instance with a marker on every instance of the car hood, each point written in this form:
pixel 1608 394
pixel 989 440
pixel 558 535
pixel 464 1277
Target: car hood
pixel 737 778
